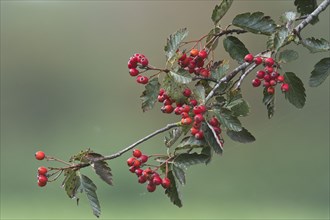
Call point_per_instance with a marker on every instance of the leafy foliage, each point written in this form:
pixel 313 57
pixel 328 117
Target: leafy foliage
pixel 89 188
pixel 243 136
pixel 210 43
pixel 227 119
pixel 220 10
pixel 101 168
pixel 296 94
pixel 211 138
pixel 278 39
pixel 179 174
pixel 71 183
pixel 191 142
pixel 305 7
pixel 175 134
pixel 316 45
pixel 181 76
pixel 185 160
pixel 287 56
pixel 236 104
pixel 269 101
pixel 235 48
pixel 174 41
pixel 199 92
pixel 219 72
pixel 173 192
pixel 172 88
pixel 149 95
pixel 320 73
pixel 255 23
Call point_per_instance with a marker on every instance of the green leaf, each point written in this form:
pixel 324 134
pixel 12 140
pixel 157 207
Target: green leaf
pixel 81 156
pixel 287 56
pixel 101 168
pixel 212 43
pixel 278 39
pixel 199 92
pixel 305 7
pixel 226 118
pixel 174 41
pixel 172 88
pixel 173 192
pixel 175 134
pixel 179 174
pixel 296 94
pixel 71 183
pixel 185 160
pixel 220 71
pixel 220 10
pixel 150 94
pixel 88 187
pixel 208 152
pixel 236 104
pixel 243 136
pixel 212 138
pixel 288 17
pixel 316 45
pixel 235 48
pixel 181 76
pixel 255 23
pixel 269 101
pixel 320 73
pixel 190 142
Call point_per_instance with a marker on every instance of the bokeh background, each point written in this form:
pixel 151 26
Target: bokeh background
pixel 65 87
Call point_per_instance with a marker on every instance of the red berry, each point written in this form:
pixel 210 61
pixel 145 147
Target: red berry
pixel 274 75
pixel 142 179
pixel 142 79
pixel 205 73
pixel 147 171
pixel 138 172
pixel 183 57
pixel 198 118
pixel 187 92
pixel 271 90
pixel 161 98
pixel 280 78
pixel 217 130
pixel 167 102
pixel 248 58
pixel 194 52
pixel 197 125
pixel 132 169
pixel 214 121
pixel 156 180
pixel 42 179
pixel 186 121
pixel 137 153
pixel 266 84
pixel 193 102
pixel 137 164
pixel 131 65
pixel 260 74
pixel 285 87
pixel 184 115
pixel 258 60
pixel 269 62
pixel 133 72
pixel 130 161
pixel 151 187
pixel 267 77
pixel 167 109
pixel 161 92
pixel 42 184
pixel 272 82
pixel 144 158
pixel 40 155
pixel 256 82
pixel 202 54
pixel 166 183
pixel 269 69
pixel 144 61
pixel 178 110
pixel 42 170
pixel 194 131
pixel 199 135
pixel 185 108
pixel 198 109
pixel 199 63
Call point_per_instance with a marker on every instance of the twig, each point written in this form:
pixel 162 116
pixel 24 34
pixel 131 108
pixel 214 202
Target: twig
pixel 244 75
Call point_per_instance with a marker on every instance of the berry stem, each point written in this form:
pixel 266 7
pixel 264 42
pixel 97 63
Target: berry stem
pixel 58 160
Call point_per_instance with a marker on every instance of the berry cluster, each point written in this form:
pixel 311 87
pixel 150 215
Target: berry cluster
pixel 42 171
pixel 138 60
pixel 136 162
pixel 194 62
pixel 269 75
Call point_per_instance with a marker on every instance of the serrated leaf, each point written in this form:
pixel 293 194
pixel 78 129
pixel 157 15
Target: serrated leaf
pixel 80 156
pixel 235 48
pixel 71 183
pixel 150 94
pixel 172 88
pixel 199 92
pixel 320 73
pixel 175 134
pixel 226 118
pixel 296 94
pixel 243 136
pixel 211 42
pixel 179 174
pixel 220 10
pixel 212 138
pixel 181 76
pixel 236 104
pixel 279 39
pixel 89 188
pixel 287 56
pixel 173 192
pixel 288 16
pixel 185 160
pixel 208 152
pixel 101 168
pixel 305 7
pixel 269 101
pixel 220 71
pixel 255 23
pixel 190 142
pixel 316 45
pixel 174 41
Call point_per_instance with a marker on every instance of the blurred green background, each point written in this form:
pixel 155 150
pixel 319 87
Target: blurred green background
pixel 65 87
